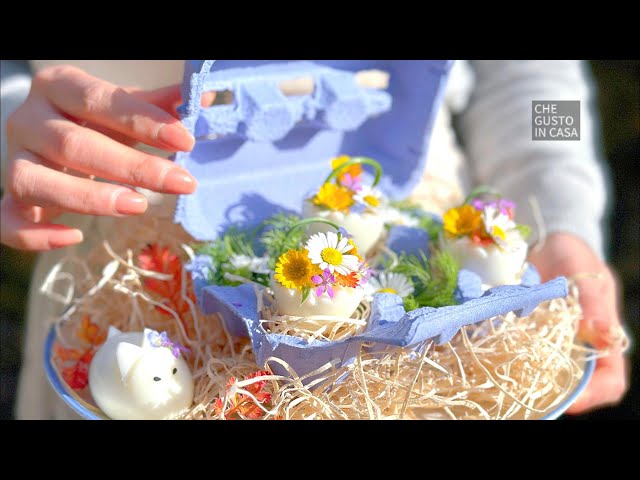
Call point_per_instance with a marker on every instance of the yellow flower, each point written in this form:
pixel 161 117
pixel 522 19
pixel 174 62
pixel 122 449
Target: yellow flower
pixel 354 250
pixel 294 269
pixel 462 221
pixel 334 197
pixel 354 170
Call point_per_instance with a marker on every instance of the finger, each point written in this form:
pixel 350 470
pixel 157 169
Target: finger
pixel 16 232
pixel 32 183
pixel 167 98
pixel 36 214
pixel 85 150
pixel 607 386
pixel 89 98
pixel 599 309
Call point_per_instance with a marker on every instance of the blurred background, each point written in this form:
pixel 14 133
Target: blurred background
pixel 618 85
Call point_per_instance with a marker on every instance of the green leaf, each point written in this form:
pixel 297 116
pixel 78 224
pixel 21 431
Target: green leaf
pixel 305 294
pixel 410 303
pixel 525 231
pixel 431 226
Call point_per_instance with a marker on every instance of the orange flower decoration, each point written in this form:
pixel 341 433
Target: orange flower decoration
pixel 240 405
pixel 354 170
pixel 334 197
pixel 461 221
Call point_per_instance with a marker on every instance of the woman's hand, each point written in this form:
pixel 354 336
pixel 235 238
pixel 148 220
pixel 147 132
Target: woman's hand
pixel 565 254
pixel 73 127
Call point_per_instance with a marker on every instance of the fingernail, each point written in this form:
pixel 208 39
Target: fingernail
pixel 178 180
pixel 175 136
pixel 64 238
pixel 130 203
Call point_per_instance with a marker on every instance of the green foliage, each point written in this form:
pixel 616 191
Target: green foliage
pixel 415 268
pixel 410 303
pixel 276 238
pixel 426 221
pixel 272 235
pixel 405 206
pixel 525 230
pixel 233 242
pixel 434 279
pixel 431 226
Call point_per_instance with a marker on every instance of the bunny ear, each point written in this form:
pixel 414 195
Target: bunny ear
pixel 113 331
pixel 146 337
pixel 127 355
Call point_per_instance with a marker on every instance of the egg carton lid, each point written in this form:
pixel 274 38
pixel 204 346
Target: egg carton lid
pixel 265 151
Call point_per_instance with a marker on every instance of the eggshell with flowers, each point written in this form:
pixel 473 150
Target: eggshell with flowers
pixel 485 239
pixel 325 277
pixel 343 199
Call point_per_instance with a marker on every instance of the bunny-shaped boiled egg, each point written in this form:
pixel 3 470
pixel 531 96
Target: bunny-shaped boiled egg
pixel 140 375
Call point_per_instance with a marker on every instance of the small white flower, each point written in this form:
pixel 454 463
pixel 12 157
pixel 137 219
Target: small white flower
pixel 385 282
pixel 498 225
pixel 369 197
pixel 253 264
pixel 394 216
pixel 326 251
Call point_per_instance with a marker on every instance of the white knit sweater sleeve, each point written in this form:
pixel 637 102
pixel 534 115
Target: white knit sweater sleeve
pixel 567 178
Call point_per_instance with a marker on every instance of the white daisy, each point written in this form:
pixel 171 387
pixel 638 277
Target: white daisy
pixel 385 282
pixel 253 264
pixel 498 225
pixel 326 251
pixel 395 216
pixel 369 197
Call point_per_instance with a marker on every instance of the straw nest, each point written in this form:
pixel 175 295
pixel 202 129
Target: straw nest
pixel 502 368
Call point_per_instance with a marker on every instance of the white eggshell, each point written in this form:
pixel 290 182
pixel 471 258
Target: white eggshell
pixel 121 380
pixel 345 301
pixel 366 228
pixel 494 266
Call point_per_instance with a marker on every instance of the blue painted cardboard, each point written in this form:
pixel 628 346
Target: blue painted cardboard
pixel 266 152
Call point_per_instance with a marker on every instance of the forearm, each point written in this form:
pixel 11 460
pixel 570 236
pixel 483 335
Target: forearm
pixel 566 178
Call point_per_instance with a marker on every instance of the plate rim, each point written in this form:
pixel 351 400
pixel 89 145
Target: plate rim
pixel 56 383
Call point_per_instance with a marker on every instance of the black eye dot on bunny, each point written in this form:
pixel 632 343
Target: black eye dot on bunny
pixel 175 370
pixel 157 379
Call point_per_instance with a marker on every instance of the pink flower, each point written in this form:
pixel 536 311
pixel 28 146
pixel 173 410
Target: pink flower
pixel 351 182
pixel 324 283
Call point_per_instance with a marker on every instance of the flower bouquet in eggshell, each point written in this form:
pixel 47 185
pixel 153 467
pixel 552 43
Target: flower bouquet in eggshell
pixel 345 199
pixel 483 236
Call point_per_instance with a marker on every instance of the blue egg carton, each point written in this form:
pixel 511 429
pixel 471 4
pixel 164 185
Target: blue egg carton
pixel 264 152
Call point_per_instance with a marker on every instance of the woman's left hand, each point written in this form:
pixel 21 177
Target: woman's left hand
pixel 566 255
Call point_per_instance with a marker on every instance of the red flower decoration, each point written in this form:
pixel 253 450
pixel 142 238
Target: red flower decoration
pixel 160 259
pixel 76 362
pixel 240 405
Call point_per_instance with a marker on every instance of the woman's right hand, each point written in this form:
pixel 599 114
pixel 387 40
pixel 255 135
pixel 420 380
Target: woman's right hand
pixel 73 127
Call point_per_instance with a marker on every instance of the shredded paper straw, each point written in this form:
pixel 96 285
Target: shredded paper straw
pixel 503 368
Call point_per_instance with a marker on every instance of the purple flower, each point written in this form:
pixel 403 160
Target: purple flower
pixel 505 206
pixel 365 272
pixel 159 340
pixel 324 283
pixel 344 233
pixel 478 204
pixel 351 182
pixel 357 208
